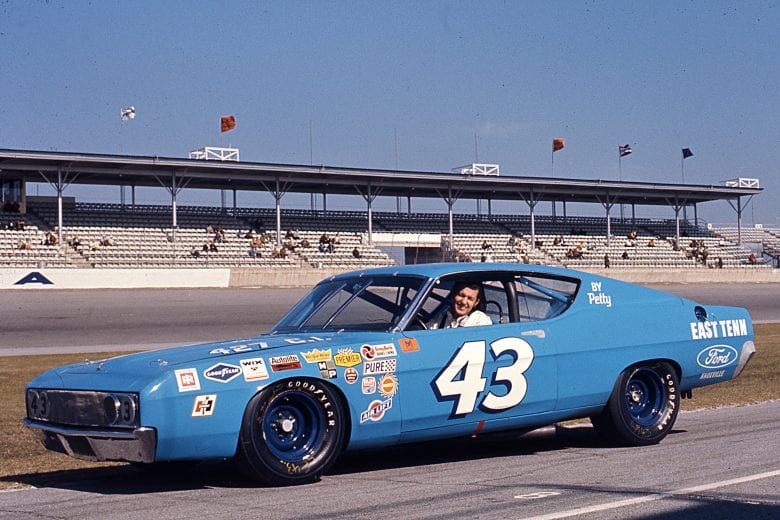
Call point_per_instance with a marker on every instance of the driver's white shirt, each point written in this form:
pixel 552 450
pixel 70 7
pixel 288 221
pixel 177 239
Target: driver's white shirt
pixel 474 319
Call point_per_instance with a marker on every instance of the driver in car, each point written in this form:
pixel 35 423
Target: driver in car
pixel 466 311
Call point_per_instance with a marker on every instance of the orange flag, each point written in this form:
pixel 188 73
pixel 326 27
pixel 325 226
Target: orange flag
pixel 227 123
pixel 557 144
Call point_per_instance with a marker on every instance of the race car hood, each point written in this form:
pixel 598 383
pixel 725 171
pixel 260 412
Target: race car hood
pixel 133 371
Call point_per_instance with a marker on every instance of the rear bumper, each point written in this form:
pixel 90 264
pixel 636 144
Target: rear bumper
pixel 137 445
pixel 748 349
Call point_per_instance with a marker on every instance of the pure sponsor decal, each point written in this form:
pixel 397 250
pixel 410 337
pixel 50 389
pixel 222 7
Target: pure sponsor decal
pixel 327 369
pixel 288 362
pixel 718 329
pixel 254 369
pixel 316 355
pixel 717 356
pixel 351 375
pixel 347 358
pixel 187 379
pixel 388 385
pixel 369 385
pixel 34 277
pixel 204 405
pixel 376 410
pixel 598 297
pixel 222 372
pixel 380 366
pixel 409 345
pixel 370 352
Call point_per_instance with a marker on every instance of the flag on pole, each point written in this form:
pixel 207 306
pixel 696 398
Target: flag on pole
pixel 127 113
pixel 557 144
pixel 624 150
pixel 227 123
pixel 687 153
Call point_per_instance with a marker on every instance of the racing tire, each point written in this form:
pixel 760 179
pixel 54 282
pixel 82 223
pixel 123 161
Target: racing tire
pixel 292 432
pixel 642 407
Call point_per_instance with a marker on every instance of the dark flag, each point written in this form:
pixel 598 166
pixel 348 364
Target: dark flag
pixel 557 144
pixel 624 150
pixel 687 153
pixel 227 123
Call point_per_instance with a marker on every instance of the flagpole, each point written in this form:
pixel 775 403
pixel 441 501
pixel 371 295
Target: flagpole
pixel 682 173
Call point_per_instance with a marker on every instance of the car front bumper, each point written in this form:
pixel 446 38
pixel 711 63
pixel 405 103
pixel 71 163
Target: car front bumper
pixel 136 445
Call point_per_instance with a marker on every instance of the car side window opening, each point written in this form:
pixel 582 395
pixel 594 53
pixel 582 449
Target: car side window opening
pixel 542 298
pixel 434 313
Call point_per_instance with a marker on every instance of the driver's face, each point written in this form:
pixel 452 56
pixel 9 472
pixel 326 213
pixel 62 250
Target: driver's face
pixel 465 301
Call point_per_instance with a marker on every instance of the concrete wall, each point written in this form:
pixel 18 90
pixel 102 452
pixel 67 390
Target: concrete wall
pixel 21 279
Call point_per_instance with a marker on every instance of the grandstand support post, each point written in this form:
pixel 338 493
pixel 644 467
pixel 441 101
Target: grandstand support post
pixel 235 205
pixel 59 186
pixel 450 200
pixel 173 188
pixel 564 211
pixel 132 197
pixel 324 202
pixel 369 197
pixel 739 209
pixel 695 215
pixel 677 206
pixel 607 203
pixel 532 201
pixel 409 205
pixel 277 192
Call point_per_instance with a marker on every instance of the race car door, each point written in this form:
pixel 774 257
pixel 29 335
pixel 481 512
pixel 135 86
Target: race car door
pixel 470 379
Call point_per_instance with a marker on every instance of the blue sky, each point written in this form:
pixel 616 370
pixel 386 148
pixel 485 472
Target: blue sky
pixel 421 85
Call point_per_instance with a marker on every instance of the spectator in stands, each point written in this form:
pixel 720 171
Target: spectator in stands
pixel 526 259
pixel 486 245
pixel 213 248
pixel 252 251
pixel 539 243
pixel 606 260
pixel 75 241
pixel 210 229
pixel 632 235
pixel 719 263
pixel 704 254
pixel 651 242
pixel 194 252
pixel 305 243
pixel 205 247
pixel 624 256
pixel 324 239
pixel 468 305
pixel 106 241
pixel 356 253
pixel 752 259
pixel 94 245
pixel 25 244
pixel 250 234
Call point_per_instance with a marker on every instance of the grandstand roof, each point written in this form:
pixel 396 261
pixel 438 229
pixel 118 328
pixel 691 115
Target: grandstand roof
pixel 98 169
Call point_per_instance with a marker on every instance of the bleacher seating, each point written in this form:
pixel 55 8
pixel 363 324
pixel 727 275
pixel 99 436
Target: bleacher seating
pixel 143 236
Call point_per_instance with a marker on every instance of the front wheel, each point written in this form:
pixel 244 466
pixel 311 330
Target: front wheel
pixel 643 405
pixel 292 432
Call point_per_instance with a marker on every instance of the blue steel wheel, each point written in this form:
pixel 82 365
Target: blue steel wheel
pixel 292 432
pixel 643 406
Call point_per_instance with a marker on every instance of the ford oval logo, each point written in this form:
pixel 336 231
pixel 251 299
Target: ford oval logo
pixel 717 356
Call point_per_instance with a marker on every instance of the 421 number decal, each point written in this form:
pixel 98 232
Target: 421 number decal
pixel 462 379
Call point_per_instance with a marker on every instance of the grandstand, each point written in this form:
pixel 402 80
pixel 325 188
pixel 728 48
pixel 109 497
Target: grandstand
pixel 142 236
pixel 103 235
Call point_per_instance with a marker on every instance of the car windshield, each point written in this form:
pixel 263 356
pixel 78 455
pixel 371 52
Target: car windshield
pixel 373 303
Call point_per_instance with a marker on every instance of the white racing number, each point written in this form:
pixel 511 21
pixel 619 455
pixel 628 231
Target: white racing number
pixel 462 379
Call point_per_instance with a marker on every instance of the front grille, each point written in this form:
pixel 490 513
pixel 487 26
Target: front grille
pixel 83 408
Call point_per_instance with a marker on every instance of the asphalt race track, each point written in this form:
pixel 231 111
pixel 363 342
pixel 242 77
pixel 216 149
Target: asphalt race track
pixel 722 463
pixel 46 322
pixel 715 464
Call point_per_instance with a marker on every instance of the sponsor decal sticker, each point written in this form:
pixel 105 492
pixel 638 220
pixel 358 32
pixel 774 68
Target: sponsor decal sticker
pixel 288 362
pixel 378 367
pixel 204 405
pixel 327 369
pixel 376 410
pixel 713 375
pixel 316 355
pixel 718 329
pixel 388 385
pixel 254 369
pixel 347 358
pixel 384 350
pixel 187 379
pixel 409 345
pixel 238 349
pixel 717 356
pixel 351 375
pixel 369 385
pixel 222 372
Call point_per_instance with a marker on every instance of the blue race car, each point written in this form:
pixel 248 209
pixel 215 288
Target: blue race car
pixel 369 359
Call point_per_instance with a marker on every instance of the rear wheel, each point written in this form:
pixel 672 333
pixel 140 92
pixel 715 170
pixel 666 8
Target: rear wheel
pixel 292 432
pixel 643 405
